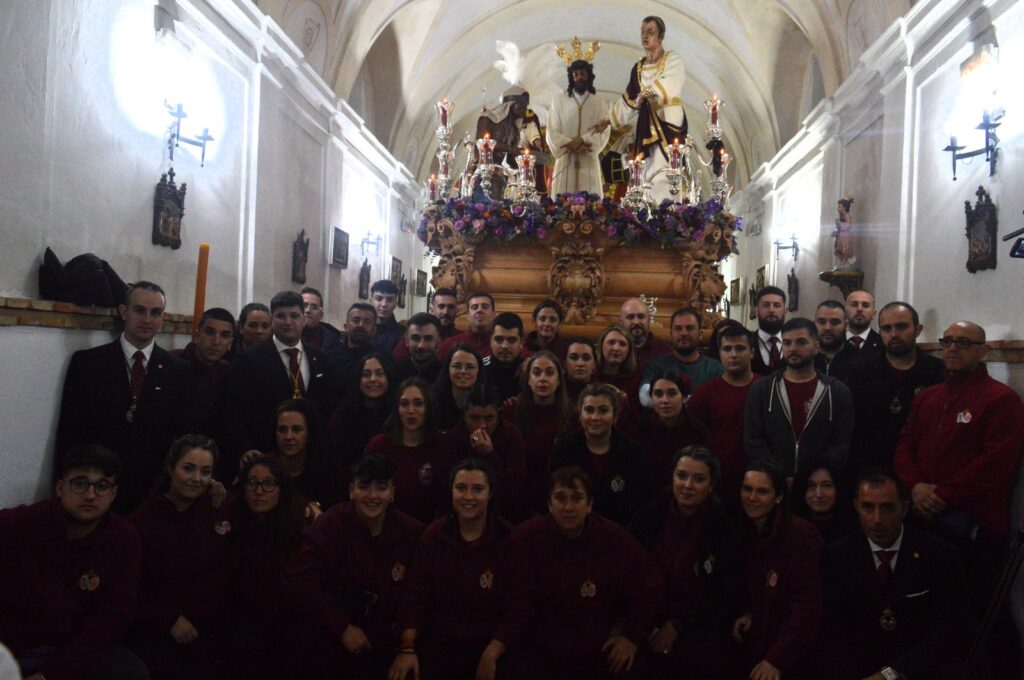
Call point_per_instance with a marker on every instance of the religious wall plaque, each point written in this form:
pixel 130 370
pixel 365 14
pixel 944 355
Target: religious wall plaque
pixel 982 225
pixel 396 271
pixel 339 251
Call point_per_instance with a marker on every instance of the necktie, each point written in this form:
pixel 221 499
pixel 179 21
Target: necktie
pixel 857 341
pixel 295 373
pixel 884 567
pixel 774 356
pixel 138 375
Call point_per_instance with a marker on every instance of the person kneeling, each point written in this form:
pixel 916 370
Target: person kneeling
pixel 598 590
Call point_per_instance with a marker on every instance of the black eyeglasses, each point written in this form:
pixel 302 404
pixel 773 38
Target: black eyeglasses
pixel 267 485
pixel 961 343
pixel 311 305
pixel 81 484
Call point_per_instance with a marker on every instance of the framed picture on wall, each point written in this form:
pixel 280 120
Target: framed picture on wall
pixel 396 270
pixel 734 292
pixel 759 278
pixel 421 283
pixel 339 250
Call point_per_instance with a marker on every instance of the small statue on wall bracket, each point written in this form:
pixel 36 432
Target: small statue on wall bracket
pixel 845 257
pixel 403 286
pixel 300 255
pixel 168 209
pixel 982 225
pixel 364 281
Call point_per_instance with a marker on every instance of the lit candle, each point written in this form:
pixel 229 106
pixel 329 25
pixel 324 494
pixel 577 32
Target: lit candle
pixel 432 188
pixel 675 155
pixel 714 109
pixel 200 295
pixel 485 147
pixel 444 109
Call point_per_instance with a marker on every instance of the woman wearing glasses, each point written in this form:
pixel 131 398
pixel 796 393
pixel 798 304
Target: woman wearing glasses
pixel 184 585
pixel 268 532
pixel 462 370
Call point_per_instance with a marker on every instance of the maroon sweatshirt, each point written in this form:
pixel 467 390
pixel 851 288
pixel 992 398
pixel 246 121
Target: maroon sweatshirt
pixel 76 595
pixel 421 481
pixel 722 408
pixel 584 584
pixel 340 562
pixel 965 435
pixel 784 593
pixel 468 593
pixel 507 458
pixel 184 561
pixel 660 443
pixel 543 425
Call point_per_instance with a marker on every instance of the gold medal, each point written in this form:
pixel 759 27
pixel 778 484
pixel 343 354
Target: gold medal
pixel 895 406
pixel 887 621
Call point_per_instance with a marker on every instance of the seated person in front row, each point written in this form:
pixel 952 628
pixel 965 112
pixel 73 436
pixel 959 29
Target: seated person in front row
pixel 896 598
pixel 346 579
pixel 468 595
pixel 70 571
pixel 589 573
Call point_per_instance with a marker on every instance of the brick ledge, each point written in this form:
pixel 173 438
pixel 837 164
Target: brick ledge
pixel 52 314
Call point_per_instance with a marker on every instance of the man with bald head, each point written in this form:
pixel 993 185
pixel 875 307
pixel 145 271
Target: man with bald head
pixel 958 454
pixel 634 317
pixel 860 310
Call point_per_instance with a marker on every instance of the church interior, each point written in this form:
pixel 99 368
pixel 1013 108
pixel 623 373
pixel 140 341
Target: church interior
pixel 231 149
pixel 315 119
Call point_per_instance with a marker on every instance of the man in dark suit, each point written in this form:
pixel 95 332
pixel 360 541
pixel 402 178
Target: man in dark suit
pixel 317 332
pixel 896 599
pixel 837 358
pixel 770 308
pixel 130 396
pixel 860 310
pixel 280 368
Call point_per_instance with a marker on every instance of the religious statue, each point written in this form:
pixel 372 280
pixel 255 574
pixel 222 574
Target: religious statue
pixel 364 281
pixel 572 118
pixel 168 209
pixel 300 255
pixel 844 256
pixel 649 115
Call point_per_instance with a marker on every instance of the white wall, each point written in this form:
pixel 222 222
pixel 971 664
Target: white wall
pixel 84 145
pixel 880 139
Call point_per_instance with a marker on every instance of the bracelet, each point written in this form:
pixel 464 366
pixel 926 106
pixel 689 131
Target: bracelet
pixel 407 651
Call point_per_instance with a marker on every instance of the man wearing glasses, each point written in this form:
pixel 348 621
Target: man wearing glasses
pixel 958 454
pixel 71 570
pixel 317 332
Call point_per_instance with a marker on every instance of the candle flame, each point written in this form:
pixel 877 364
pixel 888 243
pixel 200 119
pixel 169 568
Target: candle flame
pixel 433 176
pixel 639 157
pixel 487 135
pixel 677 141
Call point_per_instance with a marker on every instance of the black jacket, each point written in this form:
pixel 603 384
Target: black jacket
pixel 927 597
pixel 94 406
pixel 768 428
pixel 878 391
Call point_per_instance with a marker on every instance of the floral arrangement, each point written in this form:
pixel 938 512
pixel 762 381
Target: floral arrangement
pixel 666 225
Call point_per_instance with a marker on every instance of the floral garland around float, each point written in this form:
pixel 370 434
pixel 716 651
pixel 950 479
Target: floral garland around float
pixel 668 225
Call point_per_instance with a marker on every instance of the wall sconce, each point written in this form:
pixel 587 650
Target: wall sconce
pixel 977 71
pixel 792 247
pixel 371 244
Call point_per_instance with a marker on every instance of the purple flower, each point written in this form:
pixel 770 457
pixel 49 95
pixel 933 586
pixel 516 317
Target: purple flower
pixel 579 200
pixel 478 226
pixel 499 232
pixel 542 233
pixel 518 210
pixel 459 225
pixel 479 207
pixel 698 235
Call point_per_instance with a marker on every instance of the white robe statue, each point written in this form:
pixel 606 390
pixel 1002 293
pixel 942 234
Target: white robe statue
pixel 573 116
pixel 665 80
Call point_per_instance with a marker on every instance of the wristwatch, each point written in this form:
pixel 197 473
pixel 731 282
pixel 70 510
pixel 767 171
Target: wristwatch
pixel 890 673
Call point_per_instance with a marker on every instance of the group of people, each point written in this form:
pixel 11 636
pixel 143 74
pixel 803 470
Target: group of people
pixel 407 501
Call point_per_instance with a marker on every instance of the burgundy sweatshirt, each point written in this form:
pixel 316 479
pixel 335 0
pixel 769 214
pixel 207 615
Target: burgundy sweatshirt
pixel 722 408
pixel 965 435
pixel 184 560
pixel 340 562
pixel 539 436
pixel 76 595
pixel 468 593
pixel 784 593
pixel 507 458
pixel 421 481
pixel 584 584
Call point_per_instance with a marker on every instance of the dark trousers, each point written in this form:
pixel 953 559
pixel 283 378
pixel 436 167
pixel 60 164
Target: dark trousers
pixel 170 660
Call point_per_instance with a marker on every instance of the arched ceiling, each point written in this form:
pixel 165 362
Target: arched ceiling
pixel 395 58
